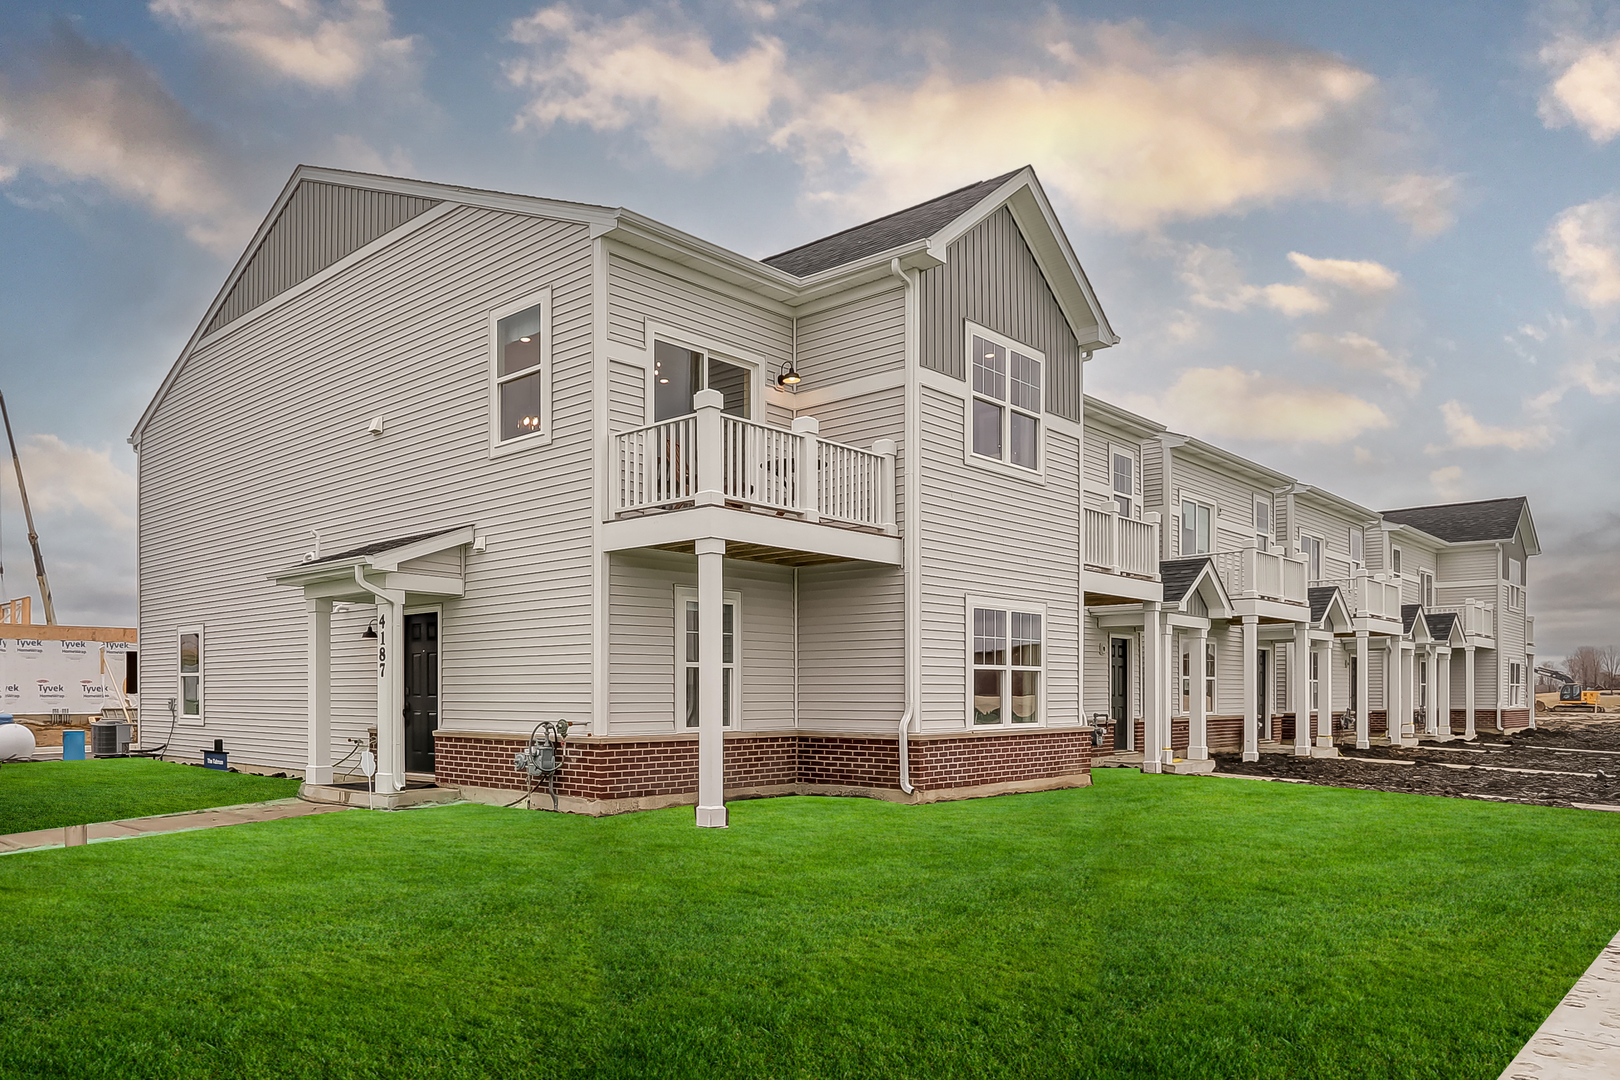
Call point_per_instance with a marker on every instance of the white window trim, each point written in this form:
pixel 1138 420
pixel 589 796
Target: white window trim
pixel 1270 535
pixel 1350 547
pixel 683 595
pixel 1394 557
pixel 499 447
pixel 1036 475
pixel 202 677
pixel 1425 588
pixel 1024 608
pixel 1135 494
pixel 754 365
pixel 1321 555
pixel 1184 496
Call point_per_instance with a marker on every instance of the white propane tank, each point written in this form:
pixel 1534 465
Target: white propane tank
pixel 16 741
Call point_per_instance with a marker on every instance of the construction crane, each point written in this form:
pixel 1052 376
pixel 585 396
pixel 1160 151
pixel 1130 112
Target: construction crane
pixel 28 516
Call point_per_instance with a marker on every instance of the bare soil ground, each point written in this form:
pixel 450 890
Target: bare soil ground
pixel 1564 760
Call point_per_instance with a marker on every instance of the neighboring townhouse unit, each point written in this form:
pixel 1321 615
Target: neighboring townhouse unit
pixel 441 463
pixel 1282 600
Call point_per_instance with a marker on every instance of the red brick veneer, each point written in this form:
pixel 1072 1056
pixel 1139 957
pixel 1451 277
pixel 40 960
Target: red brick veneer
pixel 663 770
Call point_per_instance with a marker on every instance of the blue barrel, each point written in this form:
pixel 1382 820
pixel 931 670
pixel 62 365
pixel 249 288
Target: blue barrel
pixel 7 718
pixel 73 744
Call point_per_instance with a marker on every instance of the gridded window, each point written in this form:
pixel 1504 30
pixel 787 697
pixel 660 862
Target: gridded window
pixel 519 373
pixel 1124 482
pixel 688 649
pixel 1395 559
pixel 191 673
pixel 1007 665
pixel 1316 675
pixel 1196 520
pixel 1209 677
pixel 1262 523
pixel 1516 685
pixel 1006 405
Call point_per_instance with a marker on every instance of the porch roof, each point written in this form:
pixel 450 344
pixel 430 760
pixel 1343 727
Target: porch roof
pixel 383 555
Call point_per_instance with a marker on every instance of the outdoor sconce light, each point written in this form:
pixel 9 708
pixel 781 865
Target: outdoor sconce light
pixel 371 629
pixel 788 376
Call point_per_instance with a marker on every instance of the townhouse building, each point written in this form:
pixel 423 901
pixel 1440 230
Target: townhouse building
pixel 439 464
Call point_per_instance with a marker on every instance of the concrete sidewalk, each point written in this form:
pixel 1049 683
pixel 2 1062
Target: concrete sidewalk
pixel 1581 1039
pixel 74 835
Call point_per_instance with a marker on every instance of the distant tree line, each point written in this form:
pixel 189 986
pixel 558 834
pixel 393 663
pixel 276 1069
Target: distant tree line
pixel 1594 668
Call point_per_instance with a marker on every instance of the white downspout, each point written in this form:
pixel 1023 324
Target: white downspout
pixel 912 540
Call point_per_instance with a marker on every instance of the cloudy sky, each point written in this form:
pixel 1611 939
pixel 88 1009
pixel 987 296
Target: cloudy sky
pixel 1380 252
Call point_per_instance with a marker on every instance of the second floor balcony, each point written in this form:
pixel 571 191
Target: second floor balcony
pixel 1374 600
pixel 1262 578
pixel 785 478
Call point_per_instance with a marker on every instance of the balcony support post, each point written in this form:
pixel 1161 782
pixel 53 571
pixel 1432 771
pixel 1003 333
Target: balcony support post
pixel 1363 701
pixel 1197 704
pixel 1251 690
pixel 1324 713
pixel 711 469
pixel 1153 681
pixel 1468 693
pixel 711 804
pixel 1300 682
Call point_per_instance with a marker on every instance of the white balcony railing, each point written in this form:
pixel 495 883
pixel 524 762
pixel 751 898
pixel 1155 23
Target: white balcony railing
pixel 1477 617
pixel 1122 545
pixel 710 459
pixel 1368 596
pixel 1250 573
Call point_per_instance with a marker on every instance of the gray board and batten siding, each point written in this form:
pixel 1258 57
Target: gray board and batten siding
pixel 991 278
pixel 320 224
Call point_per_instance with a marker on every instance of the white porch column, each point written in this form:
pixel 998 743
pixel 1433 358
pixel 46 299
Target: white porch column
pixel 390 697
pixel 1167 656
pixel 1431 697
pixel 318 769
pixel 1265 700
pixel 709 406
pixel 1363 701
pixel 1392 690
pixel 1408 693
pixel 1468 692
pixel 1442 694
pixel 1154 715
pixel 711 806
pixel 1251 717
pixel 1324 715
pixel 808 428
pixel 1299 678
pixel 1197 713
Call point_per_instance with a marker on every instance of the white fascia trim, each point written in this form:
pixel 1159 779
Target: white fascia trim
pixel 1249 469
pixel 1128 422
pixel 1336 502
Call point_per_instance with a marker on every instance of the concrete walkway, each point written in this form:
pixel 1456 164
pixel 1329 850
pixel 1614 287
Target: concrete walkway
pixel 1581 1039
pixel 74 835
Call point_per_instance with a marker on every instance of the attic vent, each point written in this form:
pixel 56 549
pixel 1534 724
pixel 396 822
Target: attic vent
pixel 320 224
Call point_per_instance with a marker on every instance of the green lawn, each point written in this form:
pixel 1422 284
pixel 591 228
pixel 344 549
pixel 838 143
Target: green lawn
pixel 51 794
pixel 1147 926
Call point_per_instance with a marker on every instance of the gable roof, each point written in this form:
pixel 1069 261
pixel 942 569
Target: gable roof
pixel 1320 597
pixel 1462 523
pixel 890 231
pixel 1440 624
pixel 1180 575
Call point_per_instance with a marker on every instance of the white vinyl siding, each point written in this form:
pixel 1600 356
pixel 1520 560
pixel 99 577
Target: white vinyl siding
pixel 277 406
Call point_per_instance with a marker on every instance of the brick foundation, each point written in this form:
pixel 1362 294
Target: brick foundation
pixel 605 775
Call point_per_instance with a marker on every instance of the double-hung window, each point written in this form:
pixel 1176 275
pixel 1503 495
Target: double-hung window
pixel 190 663
pixel 1197 521
pixel 687 691
pixel 1124 476
pixel 1316 677
pixel 1425 588
pixel 1395 559
pixel 1516 685
pixel 1310 548
pixel 1005 408
pixel 520 387
pixel 1007 665
pixel 1262 523
pixel 1357 554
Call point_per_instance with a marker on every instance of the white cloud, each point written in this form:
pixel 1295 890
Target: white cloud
pixel 1448 482
pixel 1582 246
pixel 1362 276
pixel 1585 85
pixel 610 75
pixel 326 44
pixel 1468 433
pixel 1132 129
pixel 1227 402
pixel 96 113
pixel 1215 281
pixel 64 478
pixel 1358 352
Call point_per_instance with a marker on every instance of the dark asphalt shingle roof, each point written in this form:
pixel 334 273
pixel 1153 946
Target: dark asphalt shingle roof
pixel 1178 576
pixel 891 231
pixel 1320 597
pixel 1440 625
pixel 1409 614
pixel 1490 519
pixel 378 547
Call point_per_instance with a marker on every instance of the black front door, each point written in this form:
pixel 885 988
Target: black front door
pixel 1119 690
pixel 1262 685
pixel 421 690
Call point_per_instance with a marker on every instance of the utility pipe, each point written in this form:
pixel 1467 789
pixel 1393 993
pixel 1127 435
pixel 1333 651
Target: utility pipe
pixel 28 515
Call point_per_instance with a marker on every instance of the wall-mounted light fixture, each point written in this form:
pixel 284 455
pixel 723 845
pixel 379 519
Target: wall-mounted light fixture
pixel 371 630
pixel 788 376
